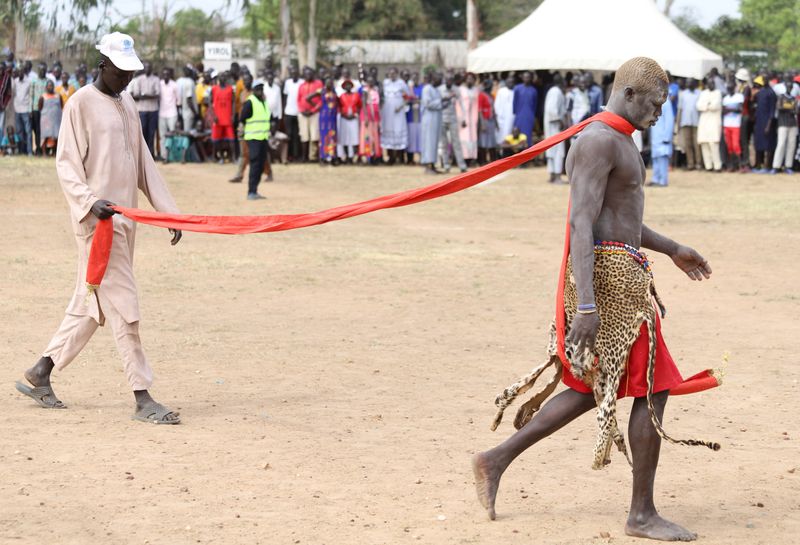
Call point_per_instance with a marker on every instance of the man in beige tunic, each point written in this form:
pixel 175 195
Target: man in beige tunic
pixel 102 160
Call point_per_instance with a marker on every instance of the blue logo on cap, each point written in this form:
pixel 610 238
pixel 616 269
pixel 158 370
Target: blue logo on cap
pixel 127 45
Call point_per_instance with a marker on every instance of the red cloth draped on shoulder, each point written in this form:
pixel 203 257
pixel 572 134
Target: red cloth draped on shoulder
pixel 232 225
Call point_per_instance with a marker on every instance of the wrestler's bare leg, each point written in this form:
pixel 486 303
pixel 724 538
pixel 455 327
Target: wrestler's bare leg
pixel 489 466
pixel 39 375
pixel 644 520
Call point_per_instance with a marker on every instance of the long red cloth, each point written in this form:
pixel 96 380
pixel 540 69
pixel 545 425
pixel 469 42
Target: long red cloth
pixel 234 225
pixel 237 225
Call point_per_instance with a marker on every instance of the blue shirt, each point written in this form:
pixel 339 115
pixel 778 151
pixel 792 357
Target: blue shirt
pixel 595 99
pixel 661 133
pixel 687 104
pixel 674 89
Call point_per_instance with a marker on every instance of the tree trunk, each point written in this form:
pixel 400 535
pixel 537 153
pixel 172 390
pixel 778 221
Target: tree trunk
pixel 472 25
pixel 285 31
pixel 313 42
pixel 19 30
pixel 668 6
pixel 300 43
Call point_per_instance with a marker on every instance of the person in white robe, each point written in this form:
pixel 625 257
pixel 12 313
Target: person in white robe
pixel 431 105
pixel 555 115
pixel 709 126
pixel 103 160
pixel 504 110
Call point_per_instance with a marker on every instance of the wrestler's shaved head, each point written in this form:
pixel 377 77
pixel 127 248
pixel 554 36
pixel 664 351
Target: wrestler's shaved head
pixel 640 89
pixel 642 74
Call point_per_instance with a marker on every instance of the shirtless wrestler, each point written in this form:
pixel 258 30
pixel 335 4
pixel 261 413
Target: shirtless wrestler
pixel 607 175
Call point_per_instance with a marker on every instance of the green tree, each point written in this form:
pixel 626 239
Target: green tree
pixel 388 19
pixel 261 20
pixel 16 17
pixel 728 36
pixel 132 26
pixel 385 19
pixel 191 26
pixel 777 27
pixel 497 17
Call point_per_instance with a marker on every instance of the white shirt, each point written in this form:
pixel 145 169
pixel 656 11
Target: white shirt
pixel 555 105
pixel 732 119
pixel 22 94
pixel 290 89
pixel 780 89
pixel 273 95
pixel 580 105
pixel 186 93
pixel 168 99
pixel 144 85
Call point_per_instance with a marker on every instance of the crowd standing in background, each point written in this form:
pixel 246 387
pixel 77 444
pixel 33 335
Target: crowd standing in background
pixel 436 119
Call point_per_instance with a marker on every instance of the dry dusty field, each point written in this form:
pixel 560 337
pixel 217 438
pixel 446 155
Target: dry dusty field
pixel 334 381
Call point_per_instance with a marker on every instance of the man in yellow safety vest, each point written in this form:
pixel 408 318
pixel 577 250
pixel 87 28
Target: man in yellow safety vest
pixel 255 115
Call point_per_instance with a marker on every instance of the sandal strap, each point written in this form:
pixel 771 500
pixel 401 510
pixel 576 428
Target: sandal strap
pixel 158 414
pixel 44 391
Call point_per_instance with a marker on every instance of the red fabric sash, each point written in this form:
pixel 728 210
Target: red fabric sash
pixel 234 225
pixel 237 225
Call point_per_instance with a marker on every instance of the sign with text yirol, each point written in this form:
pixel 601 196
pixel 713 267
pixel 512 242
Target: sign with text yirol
pixel 218 51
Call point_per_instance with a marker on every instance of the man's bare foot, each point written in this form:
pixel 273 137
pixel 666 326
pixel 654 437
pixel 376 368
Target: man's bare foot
pixel 487 480
pixel 655 527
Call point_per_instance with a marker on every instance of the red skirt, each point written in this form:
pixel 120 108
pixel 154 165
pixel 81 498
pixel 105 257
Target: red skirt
pixel 634 380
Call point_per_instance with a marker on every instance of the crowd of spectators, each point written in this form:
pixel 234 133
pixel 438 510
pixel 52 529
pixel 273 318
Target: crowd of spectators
pixel 437 119
pixel 737 123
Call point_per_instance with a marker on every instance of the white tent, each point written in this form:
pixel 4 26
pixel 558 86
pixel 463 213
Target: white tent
pixel 593 35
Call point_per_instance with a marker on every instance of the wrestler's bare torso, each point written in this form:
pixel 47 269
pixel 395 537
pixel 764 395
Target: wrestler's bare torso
pixel 620 216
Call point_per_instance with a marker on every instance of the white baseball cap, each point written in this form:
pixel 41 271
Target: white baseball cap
pixel 257 83
pixel 118 47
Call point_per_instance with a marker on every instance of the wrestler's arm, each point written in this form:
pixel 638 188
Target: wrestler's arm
pixel 686 258
pixel 594 158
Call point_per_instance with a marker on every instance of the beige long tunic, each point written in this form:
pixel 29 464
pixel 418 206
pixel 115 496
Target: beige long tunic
pixel 102 155
pixel 709 104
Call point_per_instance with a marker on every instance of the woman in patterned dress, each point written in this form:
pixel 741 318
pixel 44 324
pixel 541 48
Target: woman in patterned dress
pixel 327 122
pixel 369 143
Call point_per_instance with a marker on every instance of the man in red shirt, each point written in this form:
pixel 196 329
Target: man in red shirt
pixel 309 102
pixel 222 116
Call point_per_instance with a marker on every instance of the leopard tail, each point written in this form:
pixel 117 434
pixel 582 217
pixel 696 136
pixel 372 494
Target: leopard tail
pixel 507 396
pixel 651 368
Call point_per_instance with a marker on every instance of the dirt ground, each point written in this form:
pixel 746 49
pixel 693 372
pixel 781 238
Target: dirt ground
pixel 334 381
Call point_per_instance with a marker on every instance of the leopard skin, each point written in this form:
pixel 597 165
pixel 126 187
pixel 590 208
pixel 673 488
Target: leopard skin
pixel 625 296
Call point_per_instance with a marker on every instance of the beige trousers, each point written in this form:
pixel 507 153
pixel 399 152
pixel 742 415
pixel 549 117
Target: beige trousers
pixel 711 157
pixel 75 331
pixel 690 146
pixel 784 152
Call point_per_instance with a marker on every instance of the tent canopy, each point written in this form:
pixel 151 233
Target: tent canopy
pixel 593 35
